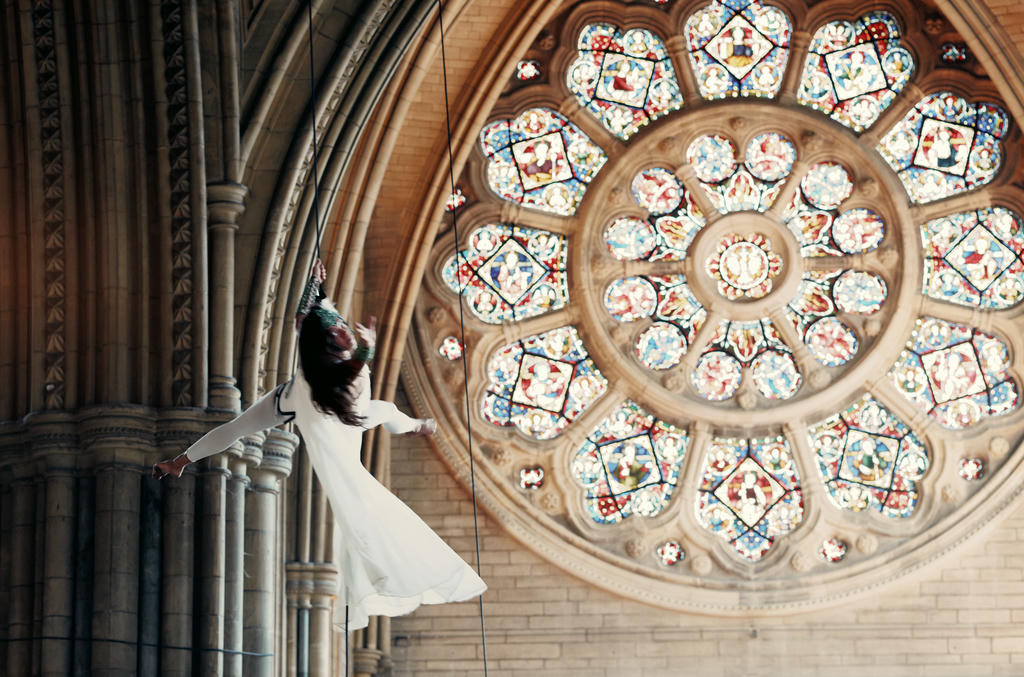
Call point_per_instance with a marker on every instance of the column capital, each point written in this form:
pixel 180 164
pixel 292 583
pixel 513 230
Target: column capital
pixel 226 202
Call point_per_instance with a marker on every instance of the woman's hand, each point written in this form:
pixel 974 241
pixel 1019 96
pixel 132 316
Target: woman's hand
pixel 368 334
pixel 174 466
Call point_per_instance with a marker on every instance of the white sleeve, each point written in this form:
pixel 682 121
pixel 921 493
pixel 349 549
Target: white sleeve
pixel 265 413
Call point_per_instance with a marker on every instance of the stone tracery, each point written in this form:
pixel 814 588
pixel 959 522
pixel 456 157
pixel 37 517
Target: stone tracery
pixel 744 281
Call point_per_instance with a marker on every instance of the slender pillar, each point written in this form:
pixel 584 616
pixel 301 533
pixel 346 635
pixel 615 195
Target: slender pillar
pixel 177 557
pixel 19 613
pixel 261 548
pixel 59 567
pixel 5 558
pixel 226 202
pixel 325 588
pixel 210 577
pixel 234 558
pixel 149 576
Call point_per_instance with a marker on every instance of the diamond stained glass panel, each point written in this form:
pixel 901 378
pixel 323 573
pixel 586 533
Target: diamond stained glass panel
pixel 629 465
pixel 869 459
pixel 541 160
pixel 510 272
pixel 624 78
pixel 738 48
pixel 752 185
pixel 541 383
pixel 956 373
pixel 749 493
pixel 855 70
pixel 945 146
pixel 974 258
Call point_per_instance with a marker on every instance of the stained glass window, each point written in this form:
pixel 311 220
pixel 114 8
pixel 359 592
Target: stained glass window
pixel 738 48
pixel 855 70
pixel 945 146
pixel 629 465
pixel 737 345
pixel 869 459
pixel 541 383
pixel 510 272
pixel 541 160
pixel 677 317
pixel 954 53
pixel 750 493
pixel 813 216
pixel 974 258
pixel 813 312
pixel 450 348
pixel 957 374
pixel 744 266
pixel 455 200
pixel 667 233
pixel 625 79
pixel 752 185
pixel 528 69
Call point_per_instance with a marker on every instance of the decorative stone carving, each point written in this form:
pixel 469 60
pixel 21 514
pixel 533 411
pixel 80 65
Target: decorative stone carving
pixel 634 548
pixel 998 446
pixel 550 502
pixel 867 543
pixel 436 315
pixel 701 565
pixel 180 179
pixel 53 199
pixel 800 562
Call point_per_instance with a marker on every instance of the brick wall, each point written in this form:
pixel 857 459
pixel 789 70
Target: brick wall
pixel 961 617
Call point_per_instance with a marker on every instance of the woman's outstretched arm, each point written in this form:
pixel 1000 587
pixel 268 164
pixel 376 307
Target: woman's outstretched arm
pixel 265 413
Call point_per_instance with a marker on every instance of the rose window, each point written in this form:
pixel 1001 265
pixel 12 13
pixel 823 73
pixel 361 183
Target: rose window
pixel 725 327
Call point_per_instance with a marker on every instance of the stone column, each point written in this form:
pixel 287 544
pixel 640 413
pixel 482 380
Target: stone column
pixel 234 553
pixel 324 578
pixel 211 534
pixel 178 428
pixel 226 202
pixel 119 439
pixel 261 546
pixel 19 612
pixel 54 440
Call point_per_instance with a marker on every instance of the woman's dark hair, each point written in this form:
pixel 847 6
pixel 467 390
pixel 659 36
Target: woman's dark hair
pixel 330 379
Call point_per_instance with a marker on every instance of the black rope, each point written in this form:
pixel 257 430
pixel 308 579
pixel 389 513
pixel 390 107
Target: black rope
pixel 153 645
pixel 316 204
pixel 462 336
pixel 312 117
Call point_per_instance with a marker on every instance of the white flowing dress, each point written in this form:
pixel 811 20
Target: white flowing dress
pixel 390 561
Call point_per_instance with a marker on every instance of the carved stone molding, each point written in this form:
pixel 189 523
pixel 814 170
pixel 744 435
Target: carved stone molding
pixel 178 138
pixel 45 43
pixel 325 118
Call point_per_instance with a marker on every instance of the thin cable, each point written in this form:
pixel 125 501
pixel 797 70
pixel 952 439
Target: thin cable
pixel 316 204
pixel 153 645
pixel 462 337
pixel 312 117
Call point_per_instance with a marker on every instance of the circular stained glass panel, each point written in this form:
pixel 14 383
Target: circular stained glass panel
pixel 630 299
pixel 630 239
pixel 858 230
pixel 770 156
pixel 712 158
pixel 860 292
pixel 716 376
pixel 660 346
pixel 826 185
pixel 657 190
